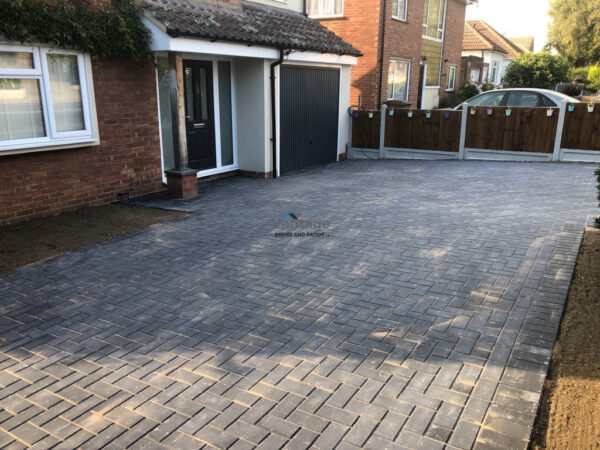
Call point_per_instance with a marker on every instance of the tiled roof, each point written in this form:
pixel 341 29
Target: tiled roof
pixel 481 36
pixel 525 42
pixel 247 23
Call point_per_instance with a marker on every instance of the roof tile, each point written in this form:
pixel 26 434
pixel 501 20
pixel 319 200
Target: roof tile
pixel 250 24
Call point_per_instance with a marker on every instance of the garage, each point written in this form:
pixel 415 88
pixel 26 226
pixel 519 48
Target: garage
pixel 310 98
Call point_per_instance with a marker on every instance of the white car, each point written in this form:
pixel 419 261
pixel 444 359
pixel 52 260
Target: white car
pixel 527 97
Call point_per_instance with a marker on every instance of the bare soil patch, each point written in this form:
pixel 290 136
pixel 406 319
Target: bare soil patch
pixel 569 414
pixel 39 239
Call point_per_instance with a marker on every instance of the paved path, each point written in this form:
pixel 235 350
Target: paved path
pixel 425 317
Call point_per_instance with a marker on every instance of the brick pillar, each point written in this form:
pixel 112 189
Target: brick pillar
pixel 182 183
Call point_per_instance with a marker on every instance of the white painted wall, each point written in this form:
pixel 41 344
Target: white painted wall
pixel 294 5
pixel 431 98
pixel 253 114
pixel 345 120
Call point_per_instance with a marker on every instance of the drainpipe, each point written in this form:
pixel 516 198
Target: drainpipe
pixel 274 110
pixel 304 10
pixel 381 53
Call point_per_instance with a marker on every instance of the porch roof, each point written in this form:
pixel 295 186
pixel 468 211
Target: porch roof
pixel 251 24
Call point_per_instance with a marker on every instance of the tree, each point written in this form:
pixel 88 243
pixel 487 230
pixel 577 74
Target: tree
pixel 594 78
pixel 536 70
pixel 575 31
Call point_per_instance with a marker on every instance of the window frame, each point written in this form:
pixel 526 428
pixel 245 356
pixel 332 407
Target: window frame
pixel 408 69
pixel 334 15
pixel 53 139
pixel 440 26
pixel 404 17
pixel 454 68
pixel 494 71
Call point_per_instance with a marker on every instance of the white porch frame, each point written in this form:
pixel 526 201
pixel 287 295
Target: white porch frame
pixel 214 59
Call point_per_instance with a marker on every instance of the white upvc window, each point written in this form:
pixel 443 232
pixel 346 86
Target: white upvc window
pixel 433 19
pixel 325 8
pixel 398 80
pixel 399 9
pixel 451 78
pixel 494 73
pixel 45 98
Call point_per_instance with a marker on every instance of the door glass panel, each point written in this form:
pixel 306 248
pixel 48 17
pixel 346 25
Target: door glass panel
pixel 164 103
pixel 189 94
pixel 225 113
pixel 20 109
pixel 63 71
pixel 203 95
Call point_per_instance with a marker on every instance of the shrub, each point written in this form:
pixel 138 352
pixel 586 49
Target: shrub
pixel 449 101
pixel 571 90
pixel 594 78
pixel 467 91
pixel 536 70
pixel 487 87
pixel 578 73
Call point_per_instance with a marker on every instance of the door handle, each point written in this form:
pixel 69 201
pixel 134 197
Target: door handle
pixel 200 125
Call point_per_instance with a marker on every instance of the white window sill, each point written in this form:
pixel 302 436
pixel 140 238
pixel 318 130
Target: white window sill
pixel 450 90
pixel 48 146
pixel 399 19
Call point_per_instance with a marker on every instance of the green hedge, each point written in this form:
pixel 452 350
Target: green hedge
pixel 112 29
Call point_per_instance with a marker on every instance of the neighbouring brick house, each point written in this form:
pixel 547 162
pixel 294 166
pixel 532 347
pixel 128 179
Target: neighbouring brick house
pixel 411 48
pixel 76 131
pixel 487 53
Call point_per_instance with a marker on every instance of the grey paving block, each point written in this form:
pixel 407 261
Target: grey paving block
pixel 425 316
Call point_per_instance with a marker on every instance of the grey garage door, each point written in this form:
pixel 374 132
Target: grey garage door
pixel 309 117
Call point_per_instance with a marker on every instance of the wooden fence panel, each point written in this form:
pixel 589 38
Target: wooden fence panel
pixel 365 130
pixel 526 129
pixel 582 128
pixel 441 131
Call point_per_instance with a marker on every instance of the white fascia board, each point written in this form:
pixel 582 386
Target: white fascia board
pixel 162 42
pixel 322 58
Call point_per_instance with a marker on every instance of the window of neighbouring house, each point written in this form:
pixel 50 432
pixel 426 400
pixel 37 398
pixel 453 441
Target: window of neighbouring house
pixel 494 73
pixel 433 19
pixel 398 79
pixel 399 9
pixel 475 75
pixel 451 78
pixel 44 98
pixel 325 8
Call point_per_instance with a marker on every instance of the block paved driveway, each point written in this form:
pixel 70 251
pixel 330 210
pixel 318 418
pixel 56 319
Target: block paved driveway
pixel 425 317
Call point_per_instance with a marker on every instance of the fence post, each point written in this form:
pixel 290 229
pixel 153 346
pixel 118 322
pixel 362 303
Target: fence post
pixel 463 131
pixel 382 132
pixel 559 130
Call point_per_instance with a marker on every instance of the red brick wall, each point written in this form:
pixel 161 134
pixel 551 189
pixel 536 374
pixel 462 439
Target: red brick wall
pixel 360 26
pixel 455 23
pixel 403 41
pixel 126 161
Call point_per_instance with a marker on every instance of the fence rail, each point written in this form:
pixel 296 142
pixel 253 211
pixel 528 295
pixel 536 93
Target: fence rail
pixel 568 133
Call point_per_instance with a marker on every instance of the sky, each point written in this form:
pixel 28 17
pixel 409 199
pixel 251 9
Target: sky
pixel 514 17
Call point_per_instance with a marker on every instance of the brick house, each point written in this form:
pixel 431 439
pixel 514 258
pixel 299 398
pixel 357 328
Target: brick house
pixel 411 48
pixel 230 83
pixel 487 53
